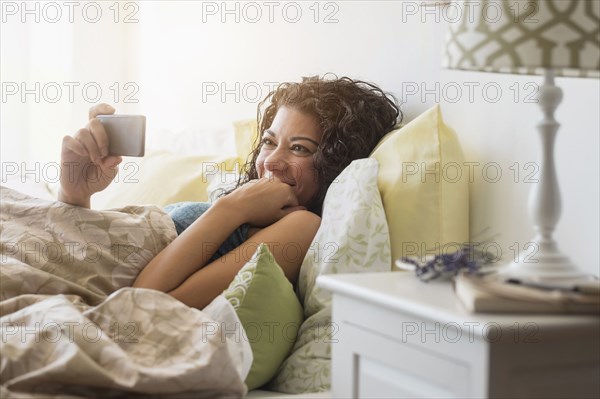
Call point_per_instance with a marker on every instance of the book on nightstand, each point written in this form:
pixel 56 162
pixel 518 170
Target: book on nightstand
pixel 493 294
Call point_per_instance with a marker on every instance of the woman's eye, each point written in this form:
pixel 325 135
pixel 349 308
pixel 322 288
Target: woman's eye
pixel 267 142
pixel 299 148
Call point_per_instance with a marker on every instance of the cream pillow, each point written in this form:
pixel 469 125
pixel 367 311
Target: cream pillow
pixel 245 132
pixel 353 238
pixel 425 211
pixel 162 178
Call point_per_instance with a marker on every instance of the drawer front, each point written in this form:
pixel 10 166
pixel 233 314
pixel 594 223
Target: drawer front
pixel 386 368
pixel 372 359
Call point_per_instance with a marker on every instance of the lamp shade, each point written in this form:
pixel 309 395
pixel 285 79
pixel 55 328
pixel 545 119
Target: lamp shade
pixel 524 36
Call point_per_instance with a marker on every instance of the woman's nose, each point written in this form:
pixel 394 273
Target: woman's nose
pixel 276 161
pixel 279 165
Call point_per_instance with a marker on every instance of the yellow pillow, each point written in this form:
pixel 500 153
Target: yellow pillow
pixel 162 178
pixel 424 190
pixel 245 134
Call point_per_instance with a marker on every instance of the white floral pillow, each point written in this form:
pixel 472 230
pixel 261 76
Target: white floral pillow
pixel 353 238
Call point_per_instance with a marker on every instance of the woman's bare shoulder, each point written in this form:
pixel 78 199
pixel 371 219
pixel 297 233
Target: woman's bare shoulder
pixel 293 219
pixel 288 240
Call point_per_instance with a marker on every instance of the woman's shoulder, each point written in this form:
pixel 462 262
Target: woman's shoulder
pixel 304 219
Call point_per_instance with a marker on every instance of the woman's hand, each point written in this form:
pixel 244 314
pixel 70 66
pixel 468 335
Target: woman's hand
pixel 264 201
pixel 86 167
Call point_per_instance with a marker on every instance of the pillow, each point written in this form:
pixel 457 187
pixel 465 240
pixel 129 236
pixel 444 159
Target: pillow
pixel 245 132
pixel 161 178
pixel 191 141
pixel 353 238
pixel 269 310
pixel 425 210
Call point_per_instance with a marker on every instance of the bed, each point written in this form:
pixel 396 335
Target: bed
pixel 71 323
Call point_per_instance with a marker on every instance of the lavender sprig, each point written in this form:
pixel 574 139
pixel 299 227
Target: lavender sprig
pixel 467 258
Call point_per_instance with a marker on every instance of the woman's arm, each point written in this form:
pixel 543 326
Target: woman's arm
pixel 260 203
pixel 288 239
pixel 192 249
pixel 86 166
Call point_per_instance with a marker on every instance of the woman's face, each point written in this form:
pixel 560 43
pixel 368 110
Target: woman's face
pixel 287 152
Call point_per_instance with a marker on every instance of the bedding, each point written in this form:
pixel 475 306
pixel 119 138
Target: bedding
pixel 422 166
pixel 270 313
pixel 353 238
pixel 364 207
pixel 162 178
pixel 71 323
pixel 245 134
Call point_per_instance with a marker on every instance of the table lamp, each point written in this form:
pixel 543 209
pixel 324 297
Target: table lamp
pixel 553 38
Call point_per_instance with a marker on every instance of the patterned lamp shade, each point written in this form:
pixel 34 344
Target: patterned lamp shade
pixel 524 36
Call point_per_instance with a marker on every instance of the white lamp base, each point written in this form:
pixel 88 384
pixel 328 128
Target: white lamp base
pixel 547 263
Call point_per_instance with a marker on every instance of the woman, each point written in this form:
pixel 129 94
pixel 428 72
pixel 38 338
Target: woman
pixel 310 131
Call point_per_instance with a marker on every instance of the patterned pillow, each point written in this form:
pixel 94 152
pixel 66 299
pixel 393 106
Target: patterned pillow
pixel 353 238
pixel 270 312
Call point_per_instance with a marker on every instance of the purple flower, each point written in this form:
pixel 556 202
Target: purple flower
pixel 466 258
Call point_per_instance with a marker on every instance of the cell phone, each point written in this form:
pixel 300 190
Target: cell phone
pixel 126 134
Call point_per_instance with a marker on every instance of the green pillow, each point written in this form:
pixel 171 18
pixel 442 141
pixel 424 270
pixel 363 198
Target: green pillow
pixel 270 312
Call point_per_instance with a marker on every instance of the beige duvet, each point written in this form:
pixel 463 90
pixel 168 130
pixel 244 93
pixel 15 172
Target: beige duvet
pixel 72 326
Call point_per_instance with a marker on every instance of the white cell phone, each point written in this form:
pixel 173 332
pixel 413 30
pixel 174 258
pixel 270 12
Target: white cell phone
pixel 126 134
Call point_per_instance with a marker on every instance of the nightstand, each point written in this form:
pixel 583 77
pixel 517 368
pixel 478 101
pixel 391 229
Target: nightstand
pixel 397 337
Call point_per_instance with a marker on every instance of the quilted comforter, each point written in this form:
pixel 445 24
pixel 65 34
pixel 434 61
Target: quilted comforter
pixel 72 325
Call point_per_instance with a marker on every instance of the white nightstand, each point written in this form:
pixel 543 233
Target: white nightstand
pixel 397 337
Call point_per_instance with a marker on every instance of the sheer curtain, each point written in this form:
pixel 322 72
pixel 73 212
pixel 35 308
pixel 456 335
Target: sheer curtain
pixel 56 62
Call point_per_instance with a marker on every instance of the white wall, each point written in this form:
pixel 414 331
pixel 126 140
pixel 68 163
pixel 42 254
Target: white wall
pixel 172 55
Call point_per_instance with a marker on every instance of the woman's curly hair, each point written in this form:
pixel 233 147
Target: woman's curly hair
pixel 353 117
